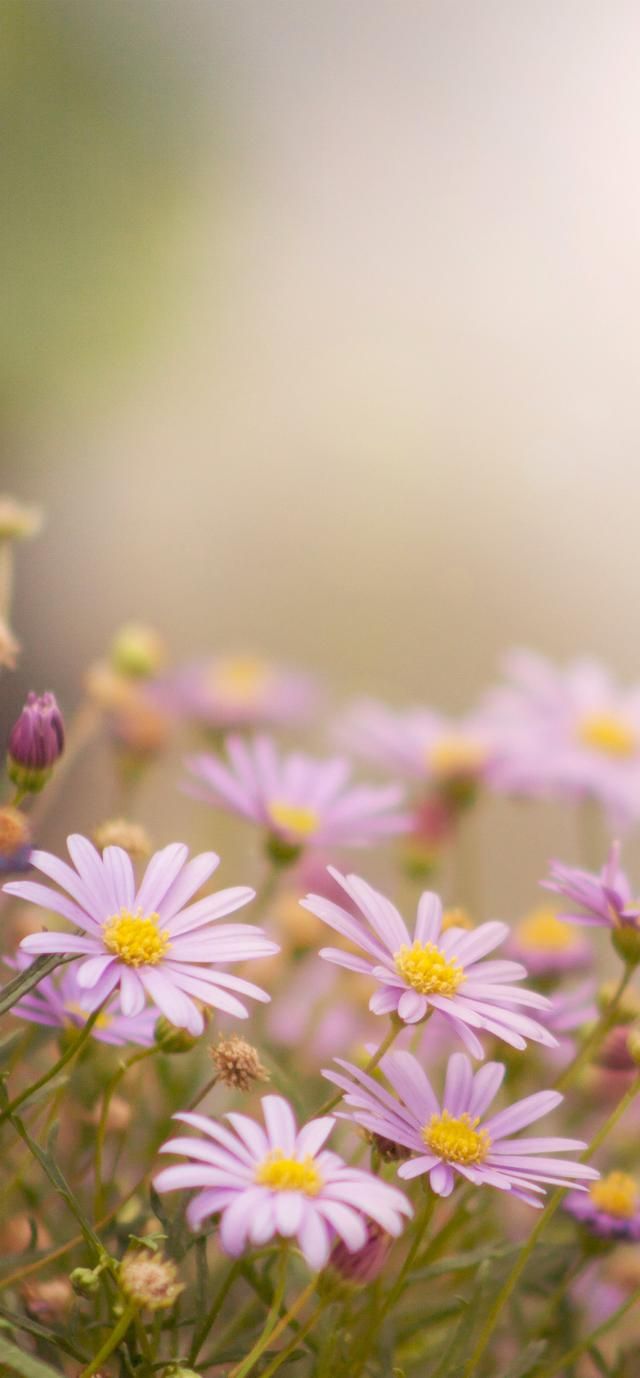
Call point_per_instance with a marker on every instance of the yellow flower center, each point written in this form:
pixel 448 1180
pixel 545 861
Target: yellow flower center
pixel 293 818
pixel 616 1194
pixel 289 1174
pixel 102 1022
pixel 426 968
pixel 456 1140
pixel 456 756
pixel 456 918
pixel 241 678
pixel 605 732
pixel 543 929
pixel 136 940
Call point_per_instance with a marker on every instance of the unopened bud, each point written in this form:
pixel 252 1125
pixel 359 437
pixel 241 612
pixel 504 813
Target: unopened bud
pixel 626 941
pixel 633 1046
pixel 137 651
pixel 388 1149
pixel 172 1039
pixel 362 1265
pixel 18 520
pixel 178 1371
pixel 118 832
pixel 85 1281
pixel 614 1053
pixel 36 742
pixel 149 1279
pixel 238 1064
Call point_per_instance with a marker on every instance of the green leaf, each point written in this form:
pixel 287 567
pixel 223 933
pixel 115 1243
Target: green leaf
pixel 26 980
pixel 24 1364
pixel 40 1332
pixel 8 1043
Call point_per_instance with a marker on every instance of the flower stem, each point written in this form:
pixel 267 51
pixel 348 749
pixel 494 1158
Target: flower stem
pixel 216 1306
pixel 241 1370
pixel 300 1334
pixel 392 1296
pixel 550 1209
pixel 112 1341
pixel 598 1033
pixel 389 1038
pixel 67 1056
pixel 101 1130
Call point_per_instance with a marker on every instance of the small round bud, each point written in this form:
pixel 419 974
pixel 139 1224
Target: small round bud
pixel 15 840
pixel 18 520
pixel 149 1280
pixel 171 1039
pixel 237 1063
pixel 36 742
pixel 614 1053
pixel 118 832
pixel 281 852
pixel 178 1371
pixel 626 941
pixel 627 1009
pixel 137 651
pixel 633 1046
pixel 85 1281
pixel 362 1265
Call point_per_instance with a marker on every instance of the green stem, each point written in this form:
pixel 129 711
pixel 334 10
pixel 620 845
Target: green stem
pixel 300 1334
pixel 214 1310
pixel 112 1341
pixel 242 1369
pixel 26 980
pixel 569 1357
pixel 109 1092
pixel 392 1296
pixel 525 1254
pixel 598 1033
pixel 370 1066
pixel 71 1052
pixel 200 1095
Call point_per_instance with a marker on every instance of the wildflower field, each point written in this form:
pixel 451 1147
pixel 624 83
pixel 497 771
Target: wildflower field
pixel 330 1116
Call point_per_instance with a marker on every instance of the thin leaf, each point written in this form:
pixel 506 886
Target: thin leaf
pixel 25 1364
pixel 26 980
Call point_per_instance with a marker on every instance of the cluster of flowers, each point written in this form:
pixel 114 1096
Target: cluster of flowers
pixel 144 954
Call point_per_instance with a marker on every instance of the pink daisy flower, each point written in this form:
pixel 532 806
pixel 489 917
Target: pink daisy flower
pixel 548 946
pixel 602 900
pixel 61 1003
pixel 419 744
pixel 568 733
pixel 431 969
pixel 279 1181
pixel 242 691
pixel 453 1137
pixel 610 1209
pixel 147 941
pixel 299 801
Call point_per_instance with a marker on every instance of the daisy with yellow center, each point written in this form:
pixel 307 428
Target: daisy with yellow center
pixel 241 678
pixel 543 929
pixel 426 969
pixel 281 1173
pixel 453 755
pixel 609 734
pixel 616 1194
pixel 295 819
pixel 456 1140
pixel 611 1208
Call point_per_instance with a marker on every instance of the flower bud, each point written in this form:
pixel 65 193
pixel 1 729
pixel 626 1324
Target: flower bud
pixel 36 742
pixel 137 651
pixel 85 1281
pixel 149 1280
pixel 626 941
pixel 178 1371
pixel 614 1053
pixel 18 521
pixel 388 1149
pixel 628 1007
pixel 362 1265
pixel 238 1063
pixel 633 1046
pixel 118 832
pixel 173 1040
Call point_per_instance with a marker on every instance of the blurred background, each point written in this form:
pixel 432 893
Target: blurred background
pixel 321 332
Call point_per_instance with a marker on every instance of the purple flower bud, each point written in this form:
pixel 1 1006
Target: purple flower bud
pixel 36 742
pixel 363 1265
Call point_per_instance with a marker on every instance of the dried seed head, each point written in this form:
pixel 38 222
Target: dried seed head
pixel 18 520
pixel 237 1063
pixel 149 1279
pixel 118 832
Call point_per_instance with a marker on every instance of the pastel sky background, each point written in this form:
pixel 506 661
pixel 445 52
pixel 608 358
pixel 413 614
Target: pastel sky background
pixel 324 331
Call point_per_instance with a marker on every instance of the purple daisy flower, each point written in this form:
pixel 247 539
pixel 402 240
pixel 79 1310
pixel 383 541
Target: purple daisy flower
pixel 279 1181
pixel 568 733
pixel 142 940
pixel 454 1136
pixel 419 743
pixel 61 1003
pixel 610 1209
pixel 547 945
pixel 241 691
pixel 432 969
pixel 300 801
pixel 602 900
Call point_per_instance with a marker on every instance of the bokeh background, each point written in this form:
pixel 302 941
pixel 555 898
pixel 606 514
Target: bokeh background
pixel 321 332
